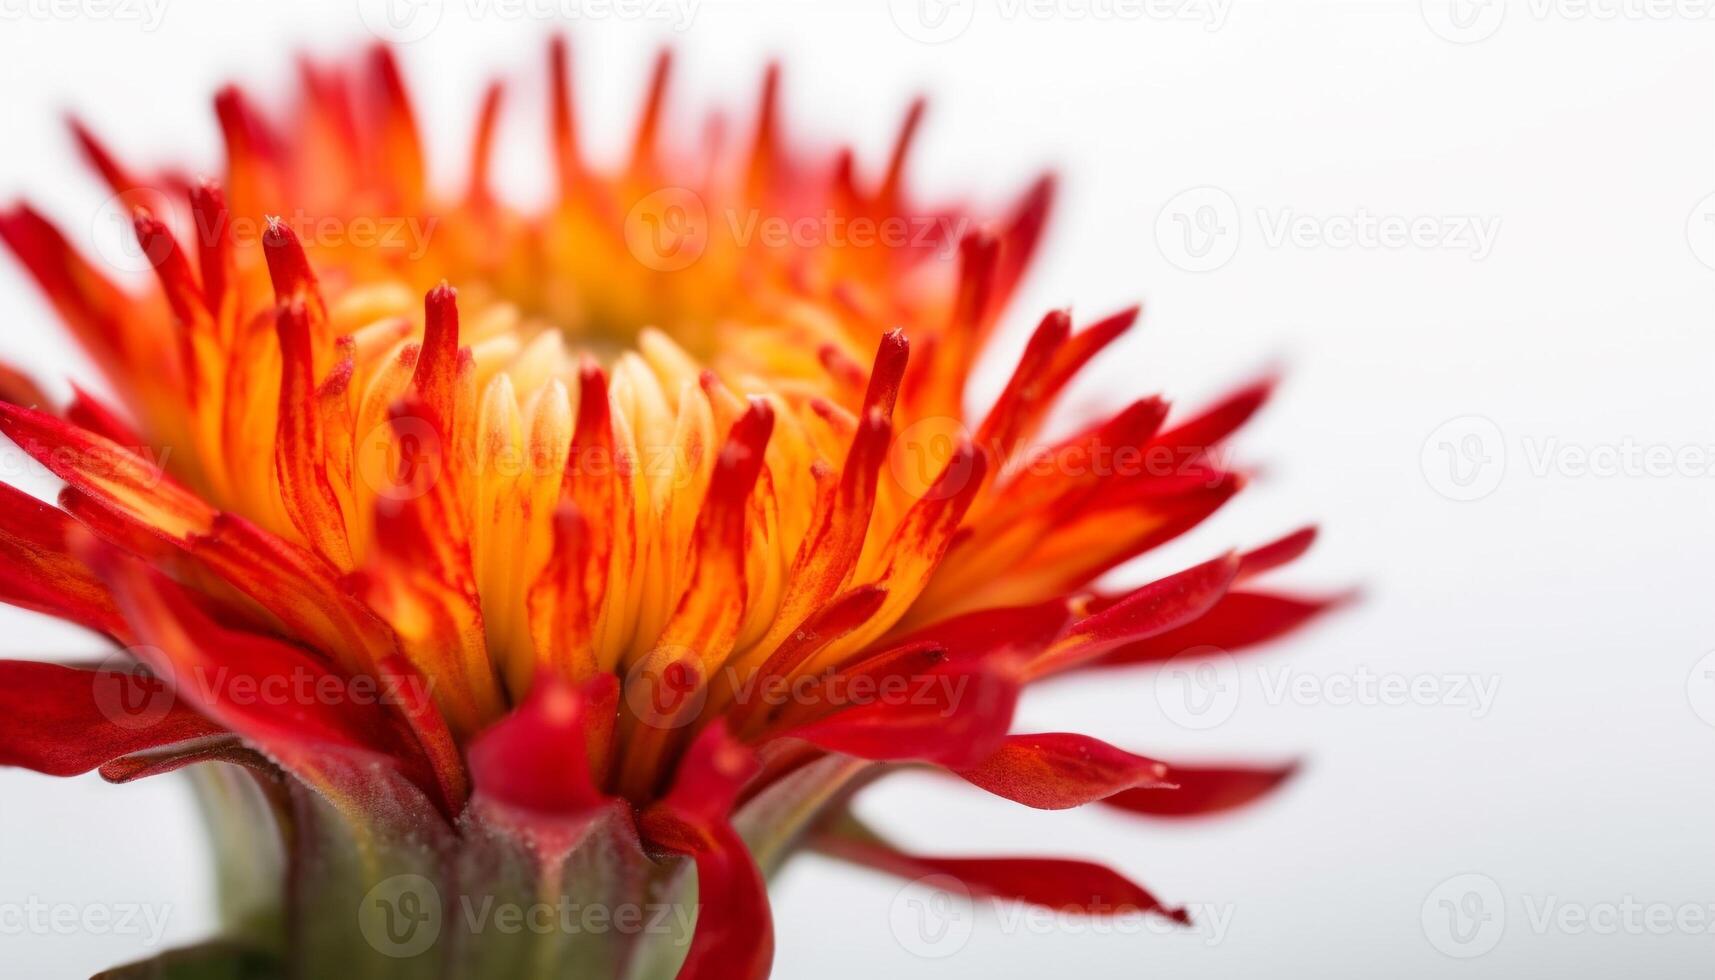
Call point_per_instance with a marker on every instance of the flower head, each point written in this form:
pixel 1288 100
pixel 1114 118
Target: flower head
pixel 653 515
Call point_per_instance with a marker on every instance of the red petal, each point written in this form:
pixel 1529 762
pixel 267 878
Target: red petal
pixel 1203 791
pixel 1237 621
pixel 63 721
pixel 1153 609
pixel 301 451
pixel 565 131
pixel 1219 420
pixel 537 758
pixel 92 413
pixel 1277 553
pixel 1020 401
pixel 1059 771
pixel 172 758
pixel 992 635
pixel 834 541
pixel 269 692
pixel 107 471
pixel 734 937
pixel 1076 887
pixel 953 716
pixel 38 570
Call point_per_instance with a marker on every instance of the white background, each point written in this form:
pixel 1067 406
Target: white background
pixel 1586 328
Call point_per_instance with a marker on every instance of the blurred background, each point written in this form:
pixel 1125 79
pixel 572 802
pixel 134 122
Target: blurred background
pixel 1477 235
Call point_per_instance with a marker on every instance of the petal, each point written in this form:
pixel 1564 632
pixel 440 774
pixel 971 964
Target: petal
pixel 1202 791
pixel 1058 771
pixel 301 449
pixel 1239 620
pixel 1206 430
pixel 1277 553
pixel 537 759
pixel 125 481
pixel 1153 609
pixel 38 570
pixel 279 698
pixel 64 720
pixel 734 937
pixel 1076 887
pixel 954 716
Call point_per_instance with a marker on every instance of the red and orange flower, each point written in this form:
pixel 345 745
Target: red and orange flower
pixel 601 551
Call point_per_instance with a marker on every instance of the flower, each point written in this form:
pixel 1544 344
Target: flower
pixel 602 550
